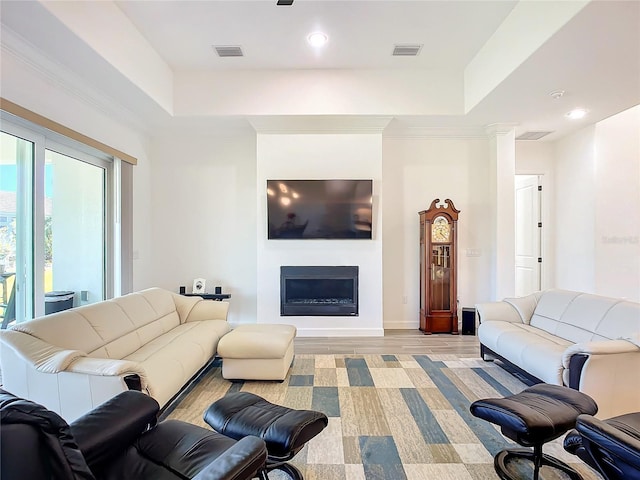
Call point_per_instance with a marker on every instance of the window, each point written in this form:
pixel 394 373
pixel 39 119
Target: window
pixel 60 242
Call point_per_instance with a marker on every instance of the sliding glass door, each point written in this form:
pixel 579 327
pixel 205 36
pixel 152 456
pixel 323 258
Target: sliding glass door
pixel 55 217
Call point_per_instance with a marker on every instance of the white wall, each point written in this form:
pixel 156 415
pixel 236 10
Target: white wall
pixel 203 215
pixel 321 156
pixel 575 207
pixel 598 208
pixel 617 209
pixel 415 172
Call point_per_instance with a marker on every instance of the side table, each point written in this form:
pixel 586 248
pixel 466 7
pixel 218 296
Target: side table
pixel 209 296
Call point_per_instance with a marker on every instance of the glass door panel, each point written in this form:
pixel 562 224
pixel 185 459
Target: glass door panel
pixel 74 232
pixel 16 217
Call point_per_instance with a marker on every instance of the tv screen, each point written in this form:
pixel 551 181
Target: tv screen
pixel 330 209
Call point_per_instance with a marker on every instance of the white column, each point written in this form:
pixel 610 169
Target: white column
pixel 502 160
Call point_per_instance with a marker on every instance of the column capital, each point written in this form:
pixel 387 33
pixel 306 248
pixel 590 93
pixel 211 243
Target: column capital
pixel 500 128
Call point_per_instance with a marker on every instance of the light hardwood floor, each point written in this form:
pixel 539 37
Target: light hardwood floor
pixel 412 342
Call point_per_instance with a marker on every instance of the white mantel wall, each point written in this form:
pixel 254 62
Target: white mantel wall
pixel 321 156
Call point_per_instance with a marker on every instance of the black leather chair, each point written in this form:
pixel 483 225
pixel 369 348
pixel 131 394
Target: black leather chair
pixel 121 440
pixel 611 446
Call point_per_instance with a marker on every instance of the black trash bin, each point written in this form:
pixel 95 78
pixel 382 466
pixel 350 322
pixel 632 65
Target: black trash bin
pixel 58 301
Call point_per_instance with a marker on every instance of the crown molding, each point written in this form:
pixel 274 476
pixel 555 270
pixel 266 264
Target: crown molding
pixel 216 126
pixel 319 124
pixel 56 74
pixel 436 132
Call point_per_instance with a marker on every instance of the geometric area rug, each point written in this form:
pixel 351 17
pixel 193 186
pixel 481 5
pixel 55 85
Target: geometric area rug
pixel 396 417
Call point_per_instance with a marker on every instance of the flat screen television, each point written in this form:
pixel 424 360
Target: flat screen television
pixel 312 209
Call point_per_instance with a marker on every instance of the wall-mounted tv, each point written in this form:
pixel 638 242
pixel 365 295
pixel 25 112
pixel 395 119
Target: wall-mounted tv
pixel 311 209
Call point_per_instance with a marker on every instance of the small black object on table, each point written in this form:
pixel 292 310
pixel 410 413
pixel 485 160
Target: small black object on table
pixel 209 296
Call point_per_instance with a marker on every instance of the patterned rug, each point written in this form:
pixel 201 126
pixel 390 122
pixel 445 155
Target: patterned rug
pixel 391 417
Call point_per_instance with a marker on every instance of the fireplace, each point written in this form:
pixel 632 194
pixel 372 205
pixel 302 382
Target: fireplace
pixel 318 291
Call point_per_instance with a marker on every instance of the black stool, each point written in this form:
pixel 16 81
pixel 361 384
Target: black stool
pixel 284 430
pixel 532 418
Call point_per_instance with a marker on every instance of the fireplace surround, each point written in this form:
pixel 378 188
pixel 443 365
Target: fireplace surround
pixel 318 290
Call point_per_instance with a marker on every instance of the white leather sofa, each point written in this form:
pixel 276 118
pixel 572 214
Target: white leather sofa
pixel 582 341
pixel 72 361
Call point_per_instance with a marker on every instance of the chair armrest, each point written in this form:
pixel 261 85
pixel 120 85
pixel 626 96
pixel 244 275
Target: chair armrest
pixel 498 311
pixel 240 462
pixel 41 355
pixel 111 427
pixel 601 347
pixel 615 441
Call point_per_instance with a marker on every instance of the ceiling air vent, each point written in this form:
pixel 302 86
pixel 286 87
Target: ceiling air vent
pixel 228 51
pixel 532 135
pixel 406 50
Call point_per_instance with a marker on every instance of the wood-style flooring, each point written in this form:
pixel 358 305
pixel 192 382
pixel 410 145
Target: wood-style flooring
pixel 411 342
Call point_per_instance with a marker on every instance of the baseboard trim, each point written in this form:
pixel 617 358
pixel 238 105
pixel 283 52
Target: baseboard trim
pixel 340 332
pixel 401 325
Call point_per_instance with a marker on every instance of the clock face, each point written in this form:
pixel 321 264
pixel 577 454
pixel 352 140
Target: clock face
pixel 440 230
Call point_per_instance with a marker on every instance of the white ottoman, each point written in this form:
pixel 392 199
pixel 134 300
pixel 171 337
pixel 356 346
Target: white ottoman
pixel 257 352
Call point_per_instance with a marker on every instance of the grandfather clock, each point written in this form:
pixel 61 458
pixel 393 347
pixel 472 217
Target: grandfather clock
pixel 438 268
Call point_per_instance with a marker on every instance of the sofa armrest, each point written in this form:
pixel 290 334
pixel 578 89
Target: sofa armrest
pixel 109 367
pixel 208 310
pixel 601 347
pixel 501 311
pixel 111 427
pixel 239 462
pixel 41 355
pixel 605 374
pixel 194 309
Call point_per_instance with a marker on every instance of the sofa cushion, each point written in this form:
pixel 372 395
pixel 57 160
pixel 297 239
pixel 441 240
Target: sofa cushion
pixel 525 306
pixel 581 317
pixel 621 321
pixel 532 349
pixel 174 357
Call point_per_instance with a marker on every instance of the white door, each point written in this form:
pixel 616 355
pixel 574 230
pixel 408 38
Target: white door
pixel 528 234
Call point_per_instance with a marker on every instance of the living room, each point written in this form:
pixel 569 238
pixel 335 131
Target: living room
pixel 206 142
pixel 206 155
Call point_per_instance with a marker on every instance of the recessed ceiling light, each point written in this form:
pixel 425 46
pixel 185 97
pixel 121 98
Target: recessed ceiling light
pixel 317 39
pixel 576 113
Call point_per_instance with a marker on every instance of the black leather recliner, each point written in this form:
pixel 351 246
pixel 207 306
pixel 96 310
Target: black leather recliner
pixel 611 446
pixel 119 439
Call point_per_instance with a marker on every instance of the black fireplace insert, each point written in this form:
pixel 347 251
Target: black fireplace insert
pixel 319 291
